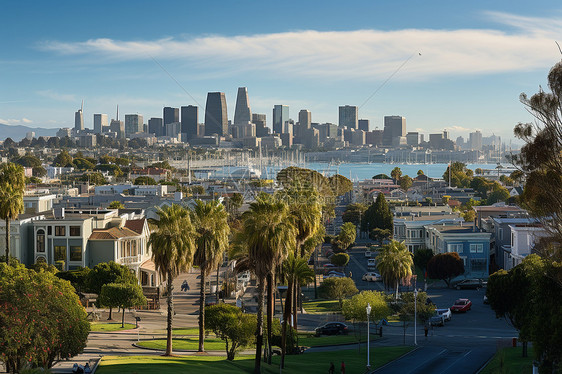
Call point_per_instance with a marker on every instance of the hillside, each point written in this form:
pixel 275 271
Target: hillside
pixel 18 132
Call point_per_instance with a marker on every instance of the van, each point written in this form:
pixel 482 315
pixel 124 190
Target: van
pixel 244 277
pixel 371 263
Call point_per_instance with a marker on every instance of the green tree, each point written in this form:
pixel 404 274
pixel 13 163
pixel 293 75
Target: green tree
pixel 347 235
pixel 380 234
pixel 41 318
pixel 122 295
pixel 173 249
pixel 445 266
pixel 378 215
pixel 112 169
pixel 499 193
pixel 12 186
pixel 337 288
pixel 83 164
pixel 420 172
pixel 235 202
pixel 108 272
pixel 78 278
pixel 210 221
pixel 116 205
pixel 95 178
pixel 422 257
pixel 353 213
pixel 396 173
pixel 469 215
pixel 143 181
pixel 460 175
pixel 395 262
pixel 406 182
pixel 354 309
pixel 29 161
pixel 517 176
pixel 63 159
pixel 197 190
pixel 424 310
pixel 340 259
pixel 340 185
pixel 233 326
pixel 381 176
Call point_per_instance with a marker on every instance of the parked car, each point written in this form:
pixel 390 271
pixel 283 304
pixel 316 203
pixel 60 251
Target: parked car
pixel 332 328
pixel 367 253
pixel 437 320
pixel 371 263
pixel 461 305
pixel 470 284
pixel 335 274
pixel 446 313
pixel 371 277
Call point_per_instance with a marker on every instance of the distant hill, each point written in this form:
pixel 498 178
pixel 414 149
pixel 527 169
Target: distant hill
pixel 18 132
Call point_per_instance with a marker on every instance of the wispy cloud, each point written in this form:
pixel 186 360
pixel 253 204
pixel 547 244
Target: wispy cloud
pixel 53 95
pixel 13 121
pixel 360 54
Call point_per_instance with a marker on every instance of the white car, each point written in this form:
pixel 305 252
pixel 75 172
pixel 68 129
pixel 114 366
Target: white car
pixel 371 277
pixel 446 313
pixel 372 263
pixel 367 253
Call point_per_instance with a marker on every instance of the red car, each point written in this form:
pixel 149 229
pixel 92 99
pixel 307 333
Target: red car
pixel 461 305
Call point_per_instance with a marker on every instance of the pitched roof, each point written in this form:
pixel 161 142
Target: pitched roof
pixel 136 225
pixel 112 233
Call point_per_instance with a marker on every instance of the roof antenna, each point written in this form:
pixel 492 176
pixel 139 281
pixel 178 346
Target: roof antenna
pixel 117 112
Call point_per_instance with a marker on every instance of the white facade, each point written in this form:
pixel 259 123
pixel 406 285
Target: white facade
pixel 523 240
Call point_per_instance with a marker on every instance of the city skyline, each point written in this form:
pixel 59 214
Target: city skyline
pixel 475 61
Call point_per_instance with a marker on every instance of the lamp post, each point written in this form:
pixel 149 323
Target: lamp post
pixel 368 309
pixel 415 316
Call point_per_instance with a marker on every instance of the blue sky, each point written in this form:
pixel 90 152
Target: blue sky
pixel 476 58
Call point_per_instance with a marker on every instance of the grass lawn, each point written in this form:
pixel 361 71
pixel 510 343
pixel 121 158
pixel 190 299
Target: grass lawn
pixel 97 326
pixel 310 340
pixel 187 344
pixel 509 361
pixel 322 306
pixel 307 363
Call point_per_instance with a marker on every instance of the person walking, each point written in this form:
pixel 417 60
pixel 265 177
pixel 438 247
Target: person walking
pixel 331 369
pixel 342 367
pixel 426 330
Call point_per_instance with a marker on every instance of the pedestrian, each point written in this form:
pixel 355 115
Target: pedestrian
pixel 331 369
pixel 342 367
pixel 426 330
pixel 184 286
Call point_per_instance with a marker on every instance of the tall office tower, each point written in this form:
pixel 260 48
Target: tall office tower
pixel 280 116
pixel 460 141
pixel 171 115
pixel 100 121
pixel 133 124
pixel 446 134
pixel 189 118
pixel 413 138
pixel 261 127
pixel 364 125
pixel 155 126
pixel 475 140
pixel 374 137
pixel 348 116
pixel 117 127
pixel 242 112
pixel 305 119
pixel 216 120
pixel 394 127
pixel 79 120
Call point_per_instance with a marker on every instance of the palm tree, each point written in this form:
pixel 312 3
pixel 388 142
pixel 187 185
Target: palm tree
pixel 172 252
pixel 268 236
pixel 211 240
pixel 12 187
pixel 395 262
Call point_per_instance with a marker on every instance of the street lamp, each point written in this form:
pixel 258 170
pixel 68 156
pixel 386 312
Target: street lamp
pixel 368 309
pixel 415 316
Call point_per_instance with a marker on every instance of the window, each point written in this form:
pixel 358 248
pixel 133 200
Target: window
pixel 455 248
pixel 60 230
pixel 40 247
pixel 74 230
pixel 49 230
pixel 478 264
pixel 500 233
pixel 60 253
pixel 75 253
pixel 476 248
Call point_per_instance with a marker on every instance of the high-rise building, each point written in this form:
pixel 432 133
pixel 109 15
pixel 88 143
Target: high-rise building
pixel 155 126
pixel 348 116
pixel 413 138
pixel 171 115
pixel 79 120
pixel 118 127
pixel 261 126
pixel 364 125
pixel 280 116
pixel 216 120
pixel 242 112
pixel 133 124
pixel 394 127
pixel 305 119
pixel 100 121
pixel 475 140
pixel 189 118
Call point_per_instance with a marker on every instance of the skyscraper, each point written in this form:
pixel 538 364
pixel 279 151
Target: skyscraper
pixel 364 125
pixel 260 121
pixel 348 116
pixel 305 119
pixel 280 116
pixel 394 127
pixel 133 124
pixel 216 120
pixel 475 140
pixel 189 124
pixel 242 113
pixel 100 121
pixel 79 120
pixel 171 115
pixel 155 126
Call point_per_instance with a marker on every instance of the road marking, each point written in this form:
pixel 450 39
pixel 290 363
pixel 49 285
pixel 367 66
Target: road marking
pixel 454 362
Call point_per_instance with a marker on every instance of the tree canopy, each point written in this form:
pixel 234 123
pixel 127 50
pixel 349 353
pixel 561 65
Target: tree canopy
pixel 378 215
pixel 230 324
pixel 354 309
pixel 337 288
pixel 445 266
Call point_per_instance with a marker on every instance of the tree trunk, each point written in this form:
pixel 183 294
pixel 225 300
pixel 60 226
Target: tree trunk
pixel 123 318
pixel 270 313
pixel 259 331
pixel 110 314
pixel 396 295
pixel 217 289
pixel 295 304
pixel 8 241
pixel 202 312
pixel 286 316
pixel 170 318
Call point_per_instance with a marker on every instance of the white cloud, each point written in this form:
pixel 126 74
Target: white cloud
pixel 360 54
pixel 15 122
pixel 50 94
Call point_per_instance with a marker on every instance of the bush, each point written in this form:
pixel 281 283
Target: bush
pixel 340 259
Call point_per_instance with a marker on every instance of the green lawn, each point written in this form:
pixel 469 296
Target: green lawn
pixel 309 340
pixel 97 326
pixel 307 363
pixel 509 361
pixel 186 344
pixel 322 306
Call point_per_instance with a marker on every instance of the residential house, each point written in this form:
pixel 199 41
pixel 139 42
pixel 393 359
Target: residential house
pixel 524 237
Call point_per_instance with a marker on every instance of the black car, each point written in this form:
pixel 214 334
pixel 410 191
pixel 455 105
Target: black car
pixel 332 328
pixel 470 284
